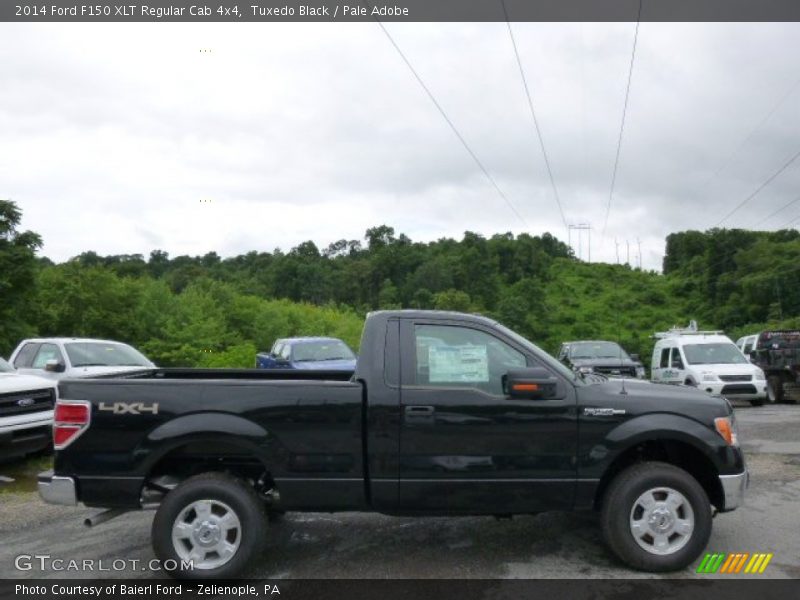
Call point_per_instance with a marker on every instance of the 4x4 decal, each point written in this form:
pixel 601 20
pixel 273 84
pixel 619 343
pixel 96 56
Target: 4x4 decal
pixel 129 408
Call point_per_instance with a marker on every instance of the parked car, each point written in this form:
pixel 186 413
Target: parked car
pixel 708 360
pixel 311 353
pixel 606 358
pixel 777 353
pixel 58 358
pixel 26 412
pixel 447 414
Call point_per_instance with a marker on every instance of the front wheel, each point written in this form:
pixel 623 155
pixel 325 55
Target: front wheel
pixel 656 517
pixel 212 525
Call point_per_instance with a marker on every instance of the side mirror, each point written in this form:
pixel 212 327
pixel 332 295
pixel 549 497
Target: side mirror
pixel 534 383
pixel 53 366
pixel 635 358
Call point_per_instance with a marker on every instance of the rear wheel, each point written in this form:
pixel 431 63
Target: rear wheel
pixel 774 389
pixel 214 522
pixel 656 517
pixel 756 403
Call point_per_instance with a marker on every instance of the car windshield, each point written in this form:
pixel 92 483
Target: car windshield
pixel 322 350
pixel 5 367
pixel 597 350
pixel 104 354
pixel 721 353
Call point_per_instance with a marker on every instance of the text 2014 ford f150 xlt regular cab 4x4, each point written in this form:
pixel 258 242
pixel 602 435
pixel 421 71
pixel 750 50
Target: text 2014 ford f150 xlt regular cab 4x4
pixel 447 414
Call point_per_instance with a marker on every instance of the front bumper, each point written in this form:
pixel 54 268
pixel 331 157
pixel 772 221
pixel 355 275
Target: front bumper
pixel 733 488
pixel 751 390
pixel 57 490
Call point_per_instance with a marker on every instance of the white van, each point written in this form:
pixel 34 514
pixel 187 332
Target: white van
pixel 708 360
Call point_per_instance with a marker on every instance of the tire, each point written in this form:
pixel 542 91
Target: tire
pixel 756 403
pixel 690 382
pixel 665 484
pixel 775 393
pixel 236 523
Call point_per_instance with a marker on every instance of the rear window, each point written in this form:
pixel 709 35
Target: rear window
pixel 100 354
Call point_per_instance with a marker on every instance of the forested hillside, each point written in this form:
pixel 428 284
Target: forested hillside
pixel 210 311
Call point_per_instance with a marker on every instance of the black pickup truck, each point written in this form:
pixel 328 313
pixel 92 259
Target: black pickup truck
pixel 445 414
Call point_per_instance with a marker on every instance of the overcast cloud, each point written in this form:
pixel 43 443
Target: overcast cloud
pixel 110 135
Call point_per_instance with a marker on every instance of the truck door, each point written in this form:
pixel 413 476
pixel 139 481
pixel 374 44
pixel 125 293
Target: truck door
pixel 465 446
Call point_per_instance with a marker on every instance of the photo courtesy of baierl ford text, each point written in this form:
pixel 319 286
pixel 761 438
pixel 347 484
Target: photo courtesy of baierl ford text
pixel 433 299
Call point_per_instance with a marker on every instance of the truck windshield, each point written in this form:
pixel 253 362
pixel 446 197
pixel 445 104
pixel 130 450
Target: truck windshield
pixel 5 367
pixel 713 354
pixel 99 354
pixel 323 350
pixel 597 350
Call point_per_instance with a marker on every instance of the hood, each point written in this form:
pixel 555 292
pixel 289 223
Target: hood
pixel 326 365
pixel 604 362
pixel 14 382
pixel 727 369
pixel 642 397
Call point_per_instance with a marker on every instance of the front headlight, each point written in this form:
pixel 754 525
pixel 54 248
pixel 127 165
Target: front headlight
pixel 585 370
pixel 726 427
pixel 709 376
pixel 760 375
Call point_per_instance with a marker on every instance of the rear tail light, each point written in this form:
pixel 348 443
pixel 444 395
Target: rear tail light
pixel 70 420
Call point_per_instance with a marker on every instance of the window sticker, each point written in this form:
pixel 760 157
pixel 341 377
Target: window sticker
pixel 467 363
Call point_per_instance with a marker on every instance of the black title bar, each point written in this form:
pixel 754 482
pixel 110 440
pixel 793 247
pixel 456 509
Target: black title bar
pixel 243 11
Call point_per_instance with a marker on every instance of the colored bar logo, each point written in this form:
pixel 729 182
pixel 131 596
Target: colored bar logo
pixel 734 563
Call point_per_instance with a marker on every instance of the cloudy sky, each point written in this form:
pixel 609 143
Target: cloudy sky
pixel 124 138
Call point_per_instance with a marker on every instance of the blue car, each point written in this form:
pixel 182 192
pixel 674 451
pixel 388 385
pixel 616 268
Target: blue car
pixel 311 353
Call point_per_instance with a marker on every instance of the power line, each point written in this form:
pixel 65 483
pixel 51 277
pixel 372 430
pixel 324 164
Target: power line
pixel 742 144
pixel 790 222
pixel 759 188
pixel 533 114
pixel 452 126
pixel 624 113
pixel 772 214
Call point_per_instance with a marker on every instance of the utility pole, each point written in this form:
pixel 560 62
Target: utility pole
pixel 580 228
pixel 639 243
pixel 627 253
pixel 616 247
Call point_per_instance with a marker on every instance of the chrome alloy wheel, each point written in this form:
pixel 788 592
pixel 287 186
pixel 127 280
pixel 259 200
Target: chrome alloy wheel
pixel 208 533
pixel 662 521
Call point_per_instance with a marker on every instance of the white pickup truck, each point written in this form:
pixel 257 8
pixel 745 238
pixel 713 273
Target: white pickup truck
pixel 26 412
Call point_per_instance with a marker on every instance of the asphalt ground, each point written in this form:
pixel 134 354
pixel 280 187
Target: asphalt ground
pixel 359 545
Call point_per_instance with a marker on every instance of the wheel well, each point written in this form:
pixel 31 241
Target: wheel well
pixel 194 458
pixel 680 454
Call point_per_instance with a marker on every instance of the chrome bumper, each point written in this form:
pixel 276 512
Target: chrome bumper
pixel 57 490
pixel 733 487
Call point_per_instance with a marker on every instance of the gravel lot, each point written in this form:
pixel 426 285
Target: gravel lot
pixel 354 545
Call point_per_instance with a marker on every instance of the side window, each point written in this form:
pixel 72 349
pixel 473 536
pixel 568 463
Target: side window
pixel 748 347
pixel 276 348
pixel 562 354
pixel 286 351
pixel 452 356
pixel 664 364
pixel 46 352
pixel 677 362
pixel 26 354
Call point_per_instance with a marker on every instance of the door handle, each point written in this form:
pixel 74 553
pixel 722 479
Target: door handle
pixel 419 411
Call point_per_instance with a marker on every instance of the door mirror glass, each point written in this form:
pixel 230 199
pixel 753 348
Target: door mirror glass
pixel 635 358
